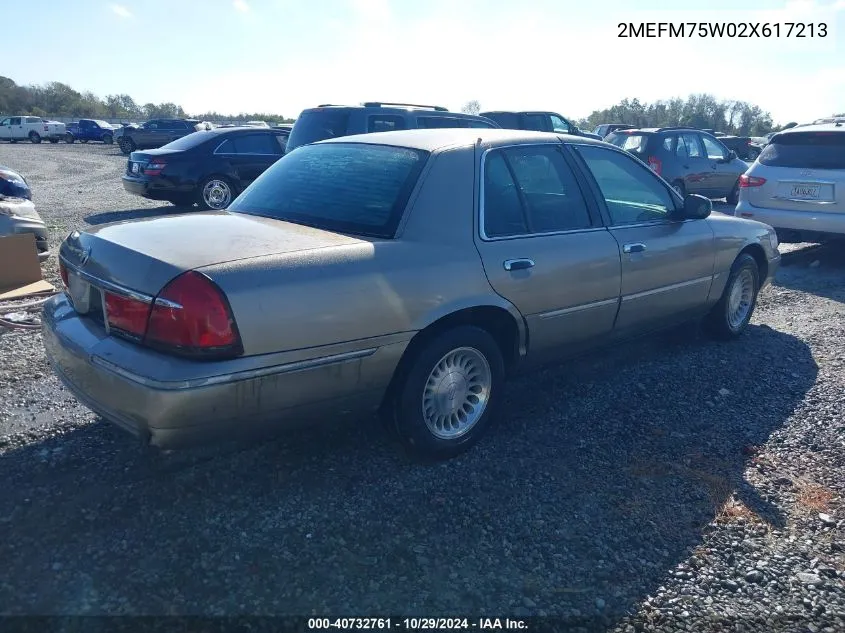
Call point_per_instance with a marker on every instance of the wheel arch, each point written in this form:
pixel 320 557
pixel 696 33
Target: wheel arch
pixel 759 254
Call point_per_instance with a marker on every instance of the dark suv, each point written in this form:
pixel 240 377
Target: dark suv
pixel 154 133
pixel 331 121
pixel 538 121
pixel 690 160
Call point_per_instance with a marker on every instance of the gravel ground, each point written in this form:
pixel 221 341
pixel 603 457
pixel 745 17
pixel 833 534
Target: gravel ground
pixel 674 484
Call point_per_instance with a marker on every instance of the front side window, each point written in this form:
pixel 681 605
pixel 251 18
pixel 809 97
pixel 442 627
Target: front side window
pixel 691 146
pixel 385 123
pixel 559 125
pixel 254 144
pixel 6 121
pixel 530 190
pixel 632 193
pixel 715 150
pixel 353 188
pixel 16 120
pixel 536 122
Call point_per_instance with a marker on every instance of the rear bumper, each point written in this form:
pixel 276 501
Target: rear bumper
pixel 155 188
pixel 795 225
pixel 172 403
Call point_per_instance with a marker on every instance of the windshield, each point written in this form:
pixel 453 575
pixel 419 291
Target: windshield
pixel 318 125
pixel 809 150
pixel 103 124
pixel 349 188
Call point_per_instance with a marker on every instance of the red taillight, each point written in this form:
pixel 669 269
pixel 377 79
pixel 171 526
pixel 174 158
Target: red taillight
pixel 655 164
pixel 126 314
pixel 154 168
pixel 751 181
pixel 192 314
pixel 63 273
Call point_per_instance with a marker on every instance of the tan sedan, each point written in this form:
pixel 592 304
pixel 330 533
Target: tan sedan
pixel 405 272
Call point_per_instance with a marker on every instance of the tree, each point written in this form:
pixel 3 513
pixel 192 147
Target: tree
pixel 471 107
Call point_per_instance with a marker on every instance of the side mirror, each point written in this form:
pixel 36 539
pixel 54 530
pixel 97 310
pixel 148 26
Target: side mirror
pixel 696 207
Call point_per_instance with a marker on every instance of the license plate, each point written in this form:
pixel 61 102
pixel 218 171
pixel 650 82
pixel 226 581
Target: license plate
pixel 809 192
pixel 79 291
pixel 136 168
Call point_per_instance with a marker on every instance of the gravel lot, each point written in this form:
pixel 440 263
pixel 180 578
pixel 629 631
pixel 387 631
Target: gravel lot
pixel 672 484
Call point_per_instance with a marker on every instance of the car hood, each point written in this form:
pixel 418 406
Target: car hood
pixel 145 254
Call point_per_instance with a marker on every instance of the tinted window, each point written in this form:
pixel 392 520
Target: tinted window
pixel 601 130
pixel 175 125
pixel 350 188
pixel 808 150
pixel 531 189
pixel 506 120
pixel 714 149
pixel 189 141
pixel 317 125
pixel 33 119
pixel 689 145
pixel 632 193
pixel 255 144
pixel 559 125
pixel 16 120
pixel 441 122
pixel 538 122
pixel 630 142
pixel 385 123
pixel 478 123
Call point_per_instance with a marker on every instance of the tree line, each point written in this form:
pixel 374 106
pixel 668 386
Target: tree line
pixel 55 99
pixel 702 111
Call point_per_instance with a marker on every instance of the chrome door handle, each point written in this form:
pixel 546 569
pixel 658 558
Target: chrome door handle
pixel 633 248
pixel 518 264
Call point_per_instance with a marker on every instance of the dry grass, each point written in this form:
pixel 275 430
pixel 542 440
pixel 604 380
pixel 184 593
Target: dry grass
pixel 735 511
pixel 814 497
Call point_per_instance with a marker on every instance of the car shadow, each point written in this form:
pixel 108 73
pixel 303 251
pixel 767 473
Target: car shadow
pixel 818 270
pixel 136 214
pixel 602 476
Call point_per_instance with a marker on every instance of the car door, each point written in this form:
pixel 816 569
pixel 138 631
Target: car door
pixel 6 129
pixel 723 170
pixel 667 264
pixel 693 162
pixel 16 128
pixel 154 134
pixel 544 248
pixel 249 155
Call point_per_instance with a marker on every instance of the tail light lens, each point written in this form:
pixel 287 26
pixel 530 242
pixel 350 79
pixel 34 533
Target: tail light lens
pixel 127 315
pixel 155 167
pixel 751 181
pixel 191 315
pixel 63 273
pixel 655 164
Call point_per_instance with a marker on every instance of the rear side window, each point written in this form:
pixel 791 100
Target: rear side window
pixel 536 122
pixel 255 144
pixel 635 143
pixel 318 125
pixel 531 189
pixel 808 150
pixel 506 120
pixel 429 122
pixel 350 188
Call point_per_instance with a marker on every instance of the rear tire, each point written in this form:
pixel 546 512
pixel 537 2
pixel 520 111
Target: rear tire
pixel 730 316
pixel 108 139
pixel 446 398
pixel 69 139
pixel 215 193
pixel 34 138
pixel 127 146
pixel 733 196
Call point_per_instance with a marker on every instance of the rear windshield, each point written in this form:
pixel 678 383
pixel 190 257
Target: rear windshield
pixel 318 125
pixel 190 141
pixel 349 188
pixel 507 120
pixel 635 143
pixel 809 150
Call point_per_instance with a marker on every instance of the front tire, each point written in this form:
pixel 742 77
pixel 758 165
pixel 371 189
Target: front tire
pixel 127 146
pixel 108 139
pixel 446 398
pixel 34 138
pixel 215 193
pixel 69 139
pixel 730 316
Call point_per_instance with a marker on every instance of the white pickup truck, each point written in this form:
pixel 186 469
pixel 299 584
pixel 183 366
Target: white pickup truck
pixel 31 128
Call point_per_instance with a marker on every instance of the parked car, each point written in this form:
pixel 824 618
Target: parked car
pixel 744 146
pixel 210 167
pixel 155 133
pixel 17 213
pixel 538 121
pixel 332 121
pixel 90 130
pixel 797 184
pixel 606 128
pixel 31 128
pixel 408 272
pixel 691 160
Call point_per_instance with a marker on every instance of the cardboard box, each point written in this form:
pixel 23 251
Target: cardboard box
pixel 20 270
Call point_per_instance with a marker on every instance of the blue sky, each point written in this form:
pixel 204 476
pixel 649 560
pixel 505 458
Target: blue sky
pixel 286 55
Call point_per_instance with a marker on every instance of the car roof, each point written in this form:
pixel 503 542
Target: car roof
pixel 397 109
pixel 434 139
pixel 814 127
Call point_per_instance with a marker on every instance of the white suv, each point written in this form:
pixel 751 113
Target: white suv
pixel 797 184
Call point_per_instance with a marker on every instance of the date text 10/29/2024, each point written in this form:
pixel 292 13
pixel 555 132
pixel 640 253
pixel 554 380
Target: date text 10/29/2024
pixel 417 624
pixel 722 29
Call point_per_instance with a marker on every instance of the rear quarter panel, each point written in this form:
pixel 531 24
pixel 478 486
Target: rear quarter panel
pixel 353 294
